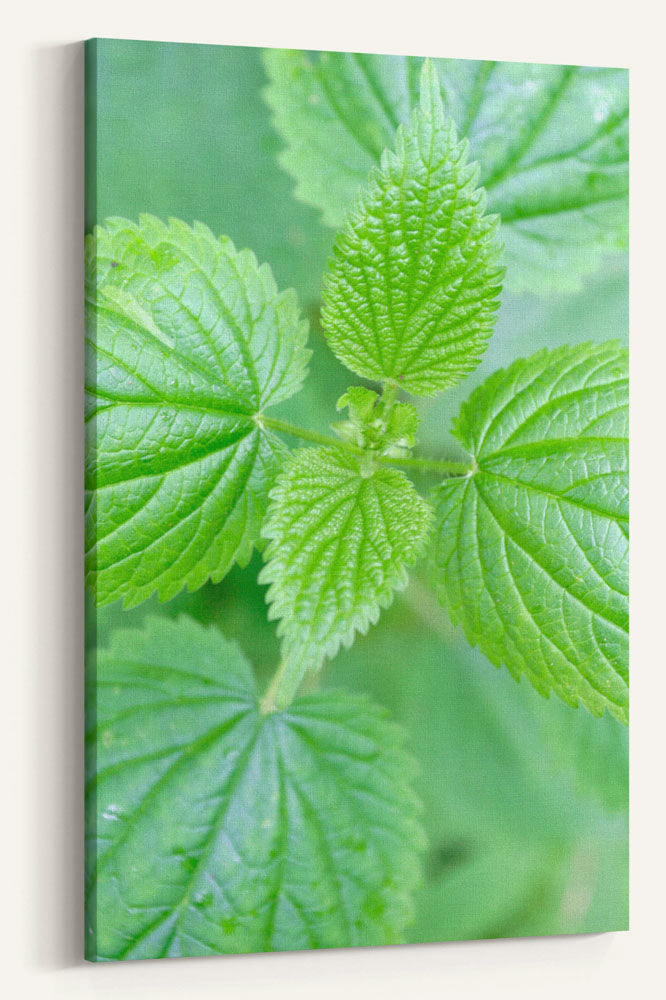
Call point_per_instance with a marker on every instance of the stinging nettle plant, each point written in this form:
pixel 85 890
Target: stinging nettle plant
pixel 196 782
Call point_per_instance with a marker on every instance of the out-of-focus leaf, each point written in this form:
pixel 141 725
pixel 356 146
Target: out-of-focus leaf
pixel 216 829
pixel 552 142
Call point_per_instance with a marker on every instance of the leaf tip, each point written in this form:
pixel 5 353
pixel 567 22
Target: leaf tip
pixel 430 93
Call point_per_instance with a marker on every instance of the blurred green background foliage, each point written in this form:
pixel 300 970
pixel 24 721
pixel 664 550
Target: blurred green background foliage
pixel 525 800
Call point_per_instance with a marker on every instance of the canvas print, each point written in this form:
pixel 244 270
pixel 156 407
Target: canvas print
pixel 356 499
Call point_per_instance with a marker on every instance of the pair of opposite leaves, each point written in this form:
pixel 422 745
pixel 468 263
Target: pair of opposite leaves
pixel 190 342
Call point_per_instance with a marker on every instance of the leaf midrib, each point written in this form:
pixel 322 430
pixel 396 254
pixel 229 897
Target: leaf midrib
pixel 116 399
pixel 237 333
pixel 235 780
pixel 529 448
pixel 190 751
pixel 603 692
pixel 558 497
pixel 514 215
pixel 520 391
pixel 195 510
pixel 174 355
pixel 537 127
pixel 533 558
pixel 614 122
pixel 216 447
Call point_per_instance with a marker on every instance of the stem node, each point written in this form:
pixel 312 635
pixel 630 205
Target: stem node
pixel 436 466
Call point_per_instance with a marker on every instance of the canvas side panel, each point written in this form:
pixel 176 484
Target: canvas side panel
pixel 91 167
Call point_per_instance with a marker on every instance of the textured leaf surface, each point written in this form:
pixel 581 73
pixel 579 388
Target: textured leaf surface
pixel 216 829
pixel 531 551
pixel 377 424
pixel 339 546
pixel 413 284
pixel 552 142
pixel 187 340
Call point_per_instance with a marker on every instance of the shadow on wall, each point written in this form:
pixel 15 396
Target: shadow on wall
pixel 54 882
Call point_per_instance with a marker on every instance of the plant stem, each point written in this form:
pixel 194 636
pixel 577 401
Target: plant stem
pixel 292 430
pixel 283 686
pixel 443 467
pixel 389 396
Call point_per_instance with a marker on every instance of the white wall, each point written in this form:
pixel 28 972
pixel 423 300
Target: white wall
pixel 41 446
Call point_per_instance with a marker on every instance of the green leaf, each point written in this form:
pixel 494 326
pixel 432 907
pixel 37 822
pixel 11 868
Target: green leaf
pixel 360 402
pixel 340 542
pixel 403 423
pixel 188 340
pixel 531 549
pixel 412 288
pixel 552 142
pixel 376 423
pixel 215 829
